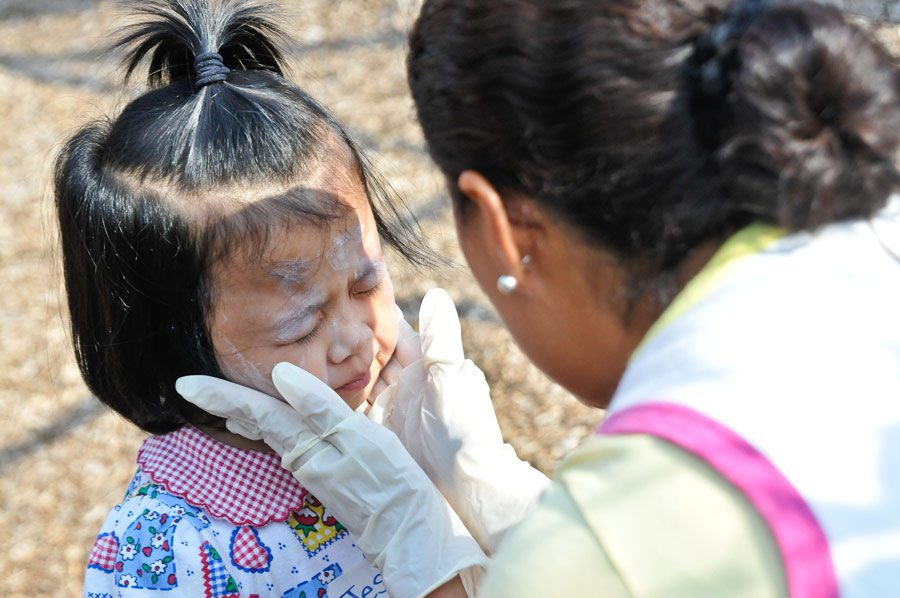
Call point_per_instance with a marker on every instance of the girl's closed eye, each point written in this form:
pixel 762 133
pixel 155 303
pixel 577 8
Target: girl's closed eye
pixel 298 327
pixel 307 338
pixel 371 279
pixel 372 288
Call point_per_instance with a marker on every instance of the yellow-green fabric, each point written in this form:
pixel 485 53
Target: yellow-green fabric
pixel 746 242
pixel 636 516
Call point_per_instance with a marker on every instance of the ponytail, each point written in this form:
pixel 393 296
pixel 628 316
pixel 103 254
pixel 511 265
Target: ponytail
pixel 173 34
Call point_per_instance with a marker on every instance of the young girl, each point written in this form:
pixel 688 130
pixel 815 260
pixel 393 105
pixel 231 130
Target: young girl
pixel 222 223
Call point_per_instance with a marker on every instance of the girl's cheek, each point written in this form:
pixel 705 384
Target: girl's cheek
pixel 308 358
pixel 245 370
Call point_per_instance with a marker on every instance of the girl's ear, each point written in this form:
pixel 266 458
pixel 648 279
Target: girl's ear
pixel 510 228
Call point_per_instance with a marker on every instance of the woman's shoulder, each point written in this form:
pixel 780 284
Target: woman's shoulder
pixel 637 516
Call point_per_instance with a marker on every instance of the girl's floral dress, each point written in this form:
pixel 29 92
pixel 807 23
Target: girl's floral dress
pixel 204 519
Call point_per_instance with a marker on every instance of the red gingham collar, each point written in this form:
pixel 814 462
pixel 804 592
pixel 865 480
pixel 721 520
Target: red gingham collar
pixel 242 486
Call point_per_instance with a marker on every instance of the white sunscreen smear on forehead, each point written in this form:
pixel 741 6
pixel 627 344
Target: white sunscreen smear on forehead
pixel 343 248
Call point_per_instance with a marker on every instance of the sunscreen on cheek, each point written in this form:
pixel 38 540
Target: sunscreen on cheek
pixel 243 370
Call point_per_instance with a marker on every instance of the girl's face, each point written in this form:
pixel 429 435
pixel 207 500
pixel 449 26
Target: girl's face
pixel 321 299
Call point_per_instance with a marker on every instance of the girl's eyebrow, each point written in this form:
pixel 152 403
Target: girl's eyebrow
pixel 294 273
pixel 370 267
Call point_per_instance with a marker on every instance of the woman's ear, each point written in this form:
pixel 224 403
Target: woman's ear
pixel 510 228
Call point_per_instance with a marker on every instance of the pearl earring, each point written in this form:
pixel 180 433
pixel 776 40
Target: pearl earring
pixel 507 284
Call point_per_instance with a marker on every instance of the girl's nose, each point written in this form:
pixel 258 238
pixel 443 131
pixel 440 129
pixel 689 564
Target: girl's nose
pixel 347 339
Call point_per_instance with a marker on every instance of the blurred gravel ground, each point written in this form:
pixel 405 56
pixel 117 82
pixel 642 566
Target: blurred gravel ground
pixel 64 459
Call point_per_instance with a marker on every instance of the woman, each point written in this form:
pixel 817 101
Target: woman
pixel 681 209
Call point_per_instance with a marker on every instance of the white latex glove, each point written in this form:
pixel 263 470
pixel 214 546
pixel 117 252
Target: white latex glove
pixel 358 469
pixel 440 408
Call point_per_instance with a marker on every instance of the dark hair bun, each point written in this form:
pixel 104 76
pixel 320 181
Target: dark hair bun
pixel 814 122
pixel 173 33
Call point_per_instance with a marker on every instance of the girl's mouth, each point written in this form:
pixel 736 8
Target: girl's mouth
pixel 357 384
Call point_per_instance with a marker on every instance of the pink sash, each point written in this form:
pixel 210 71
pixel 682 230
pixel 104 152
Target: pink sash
pixel 803 545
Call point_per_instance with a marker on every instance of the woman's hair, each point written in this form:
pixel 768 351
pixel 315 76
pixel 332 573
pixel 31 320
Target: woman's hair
pixel 653 125
pixel 148 201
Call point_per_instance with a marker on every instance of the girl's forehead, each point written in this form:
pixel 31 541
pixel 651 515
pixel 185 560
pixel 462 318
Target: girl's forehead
pixel 331 241
pixel 299 253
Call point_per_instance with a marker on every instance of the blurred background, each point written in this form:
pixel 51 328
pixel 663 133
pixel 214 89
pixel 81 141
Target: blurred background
pixel 64 459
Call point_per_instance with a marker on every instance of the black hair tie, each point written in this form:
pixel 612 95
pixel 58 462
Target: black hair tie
pixel 210 69
pixel 712 67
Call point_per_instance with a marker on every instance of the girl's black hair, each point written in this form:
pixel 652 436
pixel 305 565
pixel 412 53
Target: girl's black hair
pixel 653 125
pixel 146 201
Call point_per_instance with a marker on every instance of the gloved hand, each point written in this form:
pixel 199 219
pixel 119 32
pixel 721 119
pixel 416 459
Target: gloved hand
pixel 440 408
pixel 358 469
